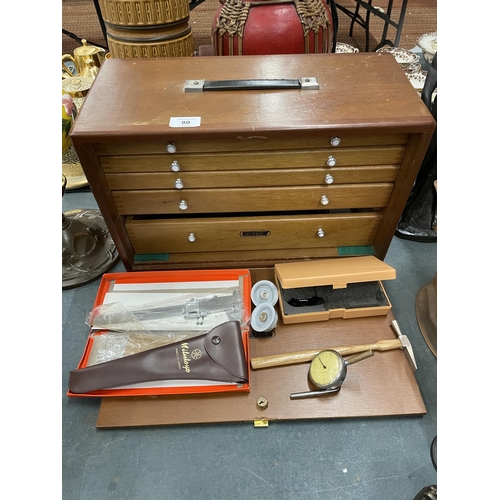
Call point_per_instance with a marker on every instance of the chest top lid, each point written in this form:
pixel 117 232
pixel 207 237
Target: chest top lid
pixel 139 97
pixel 336 272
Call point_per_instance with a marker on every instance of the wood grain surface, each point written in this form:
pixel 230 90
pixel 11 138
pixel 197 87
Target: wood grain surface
pixel 383 385
pixel 132 98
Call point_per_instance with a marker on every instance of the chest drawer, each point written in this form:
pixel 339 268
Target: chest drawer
pixel 252 200
pixel 259 141
pixel 384 155
pixel 251 233
pixel 251 178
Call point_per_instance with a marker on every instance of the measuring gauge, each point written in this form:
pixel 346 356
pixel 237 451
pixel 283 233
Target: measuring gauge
pixel 327 372
pixel 328 369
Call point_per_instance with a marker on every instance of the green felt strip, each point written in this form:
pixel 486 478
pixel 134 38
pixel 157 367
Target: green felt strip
pixel 367 250
pixel 360 250
pixel 151 256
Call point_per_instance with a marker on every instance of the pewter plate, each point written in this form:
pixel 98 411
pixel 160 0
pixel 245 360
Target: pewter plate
pixel 88 250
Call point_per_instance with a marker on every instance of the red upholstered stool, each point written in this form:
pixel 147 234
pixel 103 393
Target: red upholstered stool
pixel 262 27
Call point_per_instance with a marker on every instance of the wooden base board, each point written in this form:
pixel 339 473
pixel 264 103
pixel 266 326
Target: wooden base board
pixel 382 385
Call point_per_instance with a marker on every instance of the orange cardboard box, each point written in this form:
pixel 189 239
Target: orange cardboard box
pixel 110 280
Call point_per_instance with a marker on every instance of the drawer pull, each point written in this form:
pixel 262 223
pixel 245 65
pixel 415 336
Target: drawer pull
pixel 191 237
pixel 320 233
pixel 330 161
pixel 178 184
pixel 171 148
pixel 325 200
pixel 329 179
pixel 183 205
pixel 175 167
pixel 335 141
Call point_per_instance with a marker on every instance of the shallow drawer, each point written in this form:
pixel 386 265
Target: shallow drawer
pixel 380 155
pixel 257 142
pixel 195 201
pixel 221 234
pixel 252 178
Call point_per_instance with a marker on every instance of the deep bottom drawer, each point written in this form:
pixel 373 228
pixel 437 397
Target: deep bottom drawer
pixel 223 234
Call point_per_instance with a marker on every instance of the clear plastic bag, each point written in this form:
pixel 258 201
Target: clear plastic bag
pixel 123 328
pixel 108 346
pixel 190 313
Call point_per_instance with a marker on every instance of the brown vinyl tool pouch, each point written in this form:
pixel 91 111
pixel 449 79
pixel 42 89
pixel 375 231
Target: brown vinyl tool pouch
pixel 218 356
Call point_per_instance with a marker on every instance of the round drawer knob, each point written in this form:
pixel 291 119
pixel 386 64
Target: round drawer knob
pixel 320 233
pixel 328 179
pixel 330 161
pixel 175 167
pixel 335 141
pixel 191 237
pixel 171 148
pixel 325 200
pixel 183 205
pixel 178 184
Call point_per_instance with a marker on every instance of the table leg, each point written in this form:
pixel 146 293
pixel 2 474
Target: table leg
pixel 356 17
pixel 101 20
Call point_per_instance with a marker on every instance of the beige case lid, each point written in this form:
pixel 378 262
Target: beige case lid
pixel 336 272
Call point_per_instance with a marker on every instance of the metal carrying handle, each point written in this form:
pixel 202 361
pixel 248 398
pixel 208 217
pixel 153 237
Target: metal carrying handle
pixel 305 83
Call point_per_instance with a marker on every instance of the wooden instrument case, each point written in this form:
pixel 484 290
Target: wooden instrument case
pixel 268 175
pixel 265 177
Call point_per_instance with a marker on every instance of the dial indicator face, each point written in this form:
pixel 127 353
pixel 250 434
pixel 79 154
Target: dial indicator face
pixel 326 369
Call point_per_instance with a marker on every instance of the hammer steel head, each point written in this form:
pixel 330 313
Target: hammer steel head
pixel 405 345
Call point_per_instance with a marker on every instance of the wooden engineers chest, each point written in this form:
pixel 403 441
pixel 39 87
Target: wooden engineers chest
pixel 268 175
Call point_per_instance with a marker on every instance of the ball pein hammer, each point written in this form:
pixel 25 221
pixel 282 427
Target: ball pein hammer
pixel 291 358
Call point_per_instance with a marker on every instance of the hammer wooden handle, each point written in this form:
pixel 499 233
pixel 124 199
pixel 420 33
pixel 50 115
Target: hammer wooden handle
pixel 291 358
